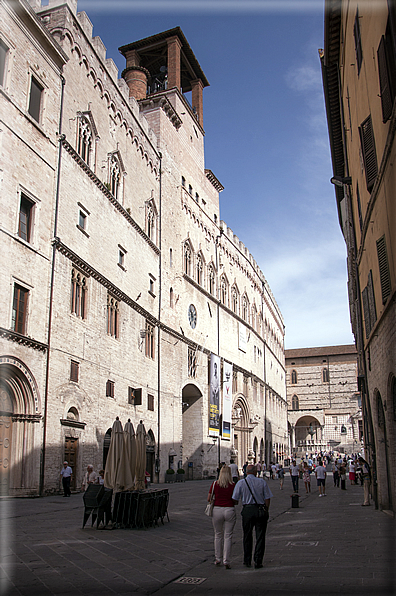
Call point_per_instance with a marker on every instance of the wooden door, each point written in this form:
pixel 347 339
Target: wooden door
pixel 5 441
pixel 71 447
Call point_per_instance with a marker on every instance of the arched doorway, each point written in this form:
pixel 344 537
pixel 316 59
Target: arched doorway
pixel 150 453
pixel 192 425
pixel 241 431
pixel 19 440
pixel 255 450
pixel 384 479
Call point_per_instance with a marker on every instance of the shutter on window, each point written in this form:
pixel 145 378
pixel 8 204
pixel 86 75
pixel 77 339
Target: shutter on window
pixel 369 154
pixel 366 311
pixel 371 299
pixel 383 269
pixel 384 81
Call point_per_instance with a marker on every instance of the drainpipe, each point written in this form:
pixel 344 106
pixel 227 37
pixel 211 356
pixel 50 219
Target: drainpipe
pixel 157 466
pixel 218 337
pixel 61 137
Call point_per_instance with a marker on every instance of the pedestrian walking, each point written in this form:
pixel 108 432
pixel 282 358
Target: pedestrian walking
pixel 245 465
pixel 281 476
pixel 66 475
pixel 90 477
pixel 320 474
pixel 307 478
pixel 336 475
pixel 234 471
pixel 224 516
pixel 352 470
pixel 366 481
pixel 253 492
pixel 294 473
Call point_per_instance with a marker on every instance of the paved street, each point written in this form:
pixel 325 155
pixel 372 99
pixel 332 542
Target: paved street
pixel 327 546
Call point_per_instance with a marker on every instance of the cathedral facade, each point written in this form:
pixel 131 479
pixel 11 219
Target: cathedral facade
pixel 125 293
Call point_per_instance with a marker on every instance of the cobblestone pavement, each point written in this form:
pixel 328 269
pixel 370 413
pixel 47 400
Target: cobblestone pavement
pixel 326 546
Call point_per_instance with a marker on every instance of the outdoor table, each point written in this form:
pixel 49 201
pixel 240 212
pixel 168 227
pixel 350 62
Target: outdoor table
pixel 140 509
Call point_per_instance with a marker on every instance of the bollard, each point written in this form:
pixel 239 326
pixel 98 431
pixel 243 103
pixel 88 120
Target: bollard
pixel 295 500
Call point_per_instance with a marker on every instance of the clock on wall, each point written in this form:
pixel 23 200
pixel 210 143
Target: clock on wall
pixel 192 315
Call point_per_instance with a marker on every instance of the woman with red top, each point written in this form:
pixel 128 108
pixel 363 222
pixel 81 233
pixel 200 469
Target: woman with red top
pixel 224 516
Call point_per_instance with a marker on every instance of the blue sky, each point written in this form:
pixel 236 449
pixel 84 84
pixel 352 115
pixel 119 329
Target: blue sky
pixel 266 141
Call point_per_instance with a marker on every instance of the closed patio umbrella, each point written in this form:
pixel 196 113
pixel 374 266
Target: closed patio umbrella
pixel 117 472
pixel 130 448
pixel 140 456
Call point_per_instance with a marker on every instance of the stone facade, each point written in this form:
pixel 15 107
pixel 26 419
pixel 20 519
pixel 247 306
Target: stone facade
pixel 127 280
pixel 359 74
pixel 324 405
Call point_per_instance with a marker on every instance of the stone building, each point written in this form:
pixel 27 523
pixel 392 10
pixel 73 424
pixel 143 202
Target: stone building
pixel 122 284
pixel 324 405
pixel 359 76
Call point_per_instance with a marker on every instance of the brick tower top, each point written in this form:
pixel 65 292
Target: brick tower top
pixel 164 61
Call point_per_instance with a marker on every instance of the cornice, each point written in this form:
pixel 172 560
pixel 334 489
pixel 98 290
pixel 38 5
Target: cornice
pixel 23 340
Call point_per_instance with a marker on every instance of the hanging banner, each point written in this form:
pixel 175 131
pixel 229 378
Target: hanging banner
pixel 214 396
pixel 227 400
pixel 242 343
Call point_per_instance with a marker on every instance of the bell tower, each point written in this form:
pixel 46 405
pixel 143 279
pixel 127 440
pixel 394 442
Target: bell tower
pixel 162 62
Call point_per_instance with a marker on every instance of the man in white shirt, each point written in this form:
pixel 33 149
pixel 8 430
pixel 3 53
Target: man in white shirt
pixel 253 492
pixel 234 471
pixel 294 473
pixel 66 474
pixel 320 474
pixel 90 477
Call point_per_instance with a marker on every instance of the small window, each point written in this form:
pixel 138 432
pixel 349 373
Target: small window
pixel 150 340
pixel 151 285
pixel 134 396
pixel 190 190
pixel 294 377
pixel 215 218
pixel 197 197
pixel 150 402
pixel 171 298
pixel 121 257
pixel 183 182
pixel 295 402
pixel 19 309
pixel 35 99
pixel 110 388
pixel 170 258
pixel 82 220
pixel 25 218
pixel 74 368
pixel 3 60
pixel 325 375
pixel 187 259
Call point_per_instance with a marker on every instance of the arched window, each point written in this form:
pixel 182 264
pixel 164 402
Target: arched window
pixel 294 377
pixel 78 294
pixel 72 414
pixel 245 309
pixel 381 413
pixel 115 176
pixel 295 404
pixel 150 222
pixel 85 139
pixel 325 375
pixel 234 300
pixel 187 259
pixel 112 316
pixel 212 286
pixel 224 291
pixel 200 269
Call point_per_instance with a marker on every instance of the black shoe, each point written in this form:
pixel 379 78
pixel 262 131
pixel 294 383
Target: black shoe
pixel 258 566
pixel 247 564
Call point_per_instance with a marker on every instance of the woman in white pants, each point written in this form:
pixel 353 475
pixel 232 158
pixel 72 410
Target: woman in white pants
pixel 224 516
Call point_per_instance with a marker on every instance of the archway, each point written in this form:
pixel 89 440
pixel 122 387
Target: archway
pixel 308 435
pixel 241 431
pixel 255 450
pixel 192 425
pixel 19 439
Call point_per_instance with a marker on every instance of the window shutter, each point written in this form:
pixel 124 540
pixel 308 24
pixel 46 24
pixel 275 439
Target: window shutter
pixel 371 299
pixel 369 153
pixel 74 371
pixel 366 311
pixel 384 81
pixel 383 269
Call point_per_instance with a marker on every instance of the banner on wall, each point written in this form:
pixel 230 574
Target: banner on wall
pixel 242 342
pixel 227 399
pixel 214 396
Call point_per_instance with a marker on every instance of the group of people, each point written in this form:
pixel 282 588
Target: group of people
pixel 90 477
pixel 255 496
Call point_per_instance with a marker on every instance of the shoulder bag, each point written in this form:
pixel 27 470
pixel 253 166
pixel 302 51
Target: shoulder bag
pixel 210 505
pixel 262 508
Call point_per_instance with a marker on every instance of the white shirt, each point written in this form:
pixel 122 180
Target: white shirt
pixel 258 486
pixel 294 470
pixel 234 470
pixel 66 472
pixel 320 473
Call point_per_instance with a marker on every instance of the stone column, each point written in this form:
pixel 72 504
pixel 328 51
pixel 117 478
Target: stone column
pixel 174 63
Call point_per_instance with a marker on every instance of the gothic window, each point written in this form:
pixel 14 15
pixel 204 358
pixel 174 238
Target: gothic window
pixel 187 259
pixel 295 404
pixel 85 139
pixel 212 285
pixel 150 340
pixel 234 300
pixel 19 309
pixel 192 363
pixel 200 269
pixel 36 91
pixel 150 215
pixel 112 316
pixel 115 176
pixel 224 291
pixel 245 309
pixel 294 377
pixel 78 294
